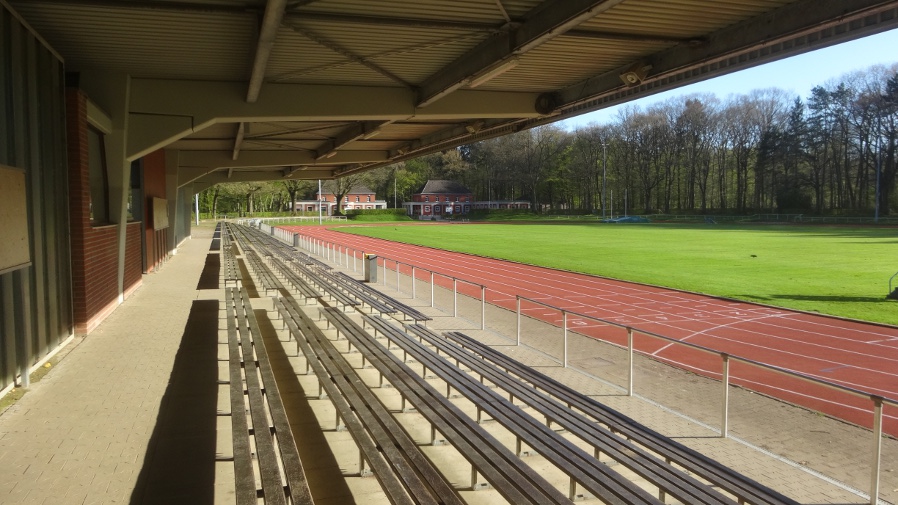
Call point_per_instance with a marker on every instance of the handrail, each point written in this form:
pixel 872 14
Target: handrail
pixel 773 368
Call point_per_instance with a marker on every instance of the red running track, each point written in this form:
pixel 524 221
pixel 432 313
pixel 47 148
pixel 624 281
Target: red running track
pixel 857 355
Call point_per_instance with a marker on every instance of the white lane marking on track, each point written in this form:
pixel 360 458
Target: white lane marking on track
pixel 704 331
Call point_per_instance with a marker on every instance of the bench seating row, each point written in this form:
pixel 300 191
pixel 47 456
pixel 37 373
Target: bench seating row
pixel 254 400
pixel 745 489
pixel 406 475
pixel 516 481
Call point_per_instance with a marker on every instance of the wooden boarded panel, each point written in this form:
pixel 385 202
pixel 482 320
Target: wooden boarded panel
pixel 160 214
pixel 14 250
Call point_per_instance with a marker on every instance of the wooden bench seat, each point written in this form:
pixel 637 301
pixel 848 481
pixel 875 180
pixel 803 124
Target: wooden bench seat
pixel 362 295
pixel 229 262
pixel 406 475
pixel 305 289
pixel 272 452
pixel 315 276
pixel 269 281
pixel 745 489
pixel 307 259
pixel 507 473
pixel 408 313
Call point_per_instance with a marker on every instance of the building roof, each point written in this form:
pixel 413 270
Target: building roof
pixel 440 187
pixel 356 190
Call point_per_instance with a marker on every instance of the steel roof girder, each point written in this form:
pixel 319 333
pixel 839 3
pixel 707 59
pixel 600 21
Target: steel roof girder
pixel 545 22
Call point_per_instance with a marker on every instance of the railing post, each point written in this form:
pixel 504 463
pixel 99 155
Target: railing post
pixel 414 284
pixel 454 297
pixel 877 450
pixel 432 288
pixel 564 324
pixel 385 270
pixel 397 276
pixel 630 361
pixel 482 307
pixel 519 317
pixel 725 379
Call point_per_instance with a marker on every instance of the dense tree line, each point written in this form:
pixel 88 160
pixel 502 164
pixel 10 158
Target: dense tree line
pixel 768 151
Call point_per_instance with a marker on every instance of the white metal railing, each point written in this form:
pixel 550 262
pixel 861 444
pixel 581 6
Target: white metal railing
pixel 341 254
pixel 305 220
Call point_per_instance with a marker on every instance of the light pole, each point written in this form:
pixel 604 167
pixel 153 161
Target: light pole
pixel 319 201
pixel 604 165
pixel 878 167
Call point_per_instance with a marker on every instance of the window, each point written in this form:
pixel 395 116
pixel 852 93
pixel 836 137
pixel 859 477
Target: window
pixel 456 198
pixel 99 185
pixel 427 208
pixel 356 198
pixel 369 198
pixel 436 209
pixel 426 198
pixel 346 199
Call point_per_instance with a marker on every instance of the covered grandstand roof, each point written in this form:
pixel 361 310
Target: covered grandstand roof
pixel 261 90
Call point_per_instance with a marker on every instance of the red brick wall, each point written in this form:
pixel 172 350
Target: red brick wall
pixel 153 186
pixel 133 258
pixel 94 248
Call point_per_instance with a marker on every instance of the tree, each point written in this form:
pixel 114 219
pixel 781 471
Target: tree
pixel 341 186
pixel 294 188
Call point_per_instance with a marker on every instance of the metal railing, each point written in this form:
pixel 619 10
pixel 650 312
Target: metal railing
pixel 306 220
pixel 340 254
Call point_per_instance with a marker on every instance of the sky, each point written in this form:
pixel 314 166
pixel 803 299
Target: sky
pixel 798 74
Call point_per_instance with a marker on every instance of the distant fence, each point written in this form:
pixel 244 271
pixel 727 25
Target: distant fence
pixel 772 218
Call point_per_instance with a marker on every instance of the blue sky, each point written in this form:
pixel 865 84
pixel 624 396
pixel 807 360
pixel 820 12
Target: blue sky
pixel 797 74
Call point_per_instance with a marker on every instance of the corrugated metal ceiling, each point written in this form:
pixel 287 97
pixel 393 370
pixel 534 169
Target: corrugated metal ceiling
pixel 571 53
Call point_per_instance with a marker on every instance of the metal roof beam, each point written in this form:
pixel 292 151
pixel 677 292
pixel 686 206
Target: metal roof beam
pixel 248 159
pixel 349 55
pixel 794 29
pixel 238 140
pixel 268 175
pixel 347 136
pixel 210 102
pixel 271 23
pixel 436 24
pixel 548 20
pixel 167 110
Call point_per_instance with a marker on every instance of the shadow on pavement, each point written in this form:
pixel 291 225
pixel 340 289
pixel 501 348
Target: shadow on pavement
pixel 179 466
pixel 211 272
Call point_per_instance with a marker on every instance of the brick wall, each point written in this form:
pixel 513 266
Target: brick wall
pixel 154 187
pixel 94 248
pixel 133 258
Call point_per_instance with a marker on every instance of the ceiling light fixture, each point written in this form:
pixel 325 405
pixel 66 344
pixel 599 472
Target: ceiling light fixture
pixel 635 74
pixel 474 127
pixel 493 72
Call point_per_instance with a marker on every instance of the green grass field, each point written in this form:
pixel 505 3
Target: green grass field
pixel 842 271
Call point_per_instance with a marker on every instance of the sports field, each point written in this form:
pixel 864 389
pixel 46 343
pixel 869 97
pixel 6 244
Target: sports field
pixel 842 271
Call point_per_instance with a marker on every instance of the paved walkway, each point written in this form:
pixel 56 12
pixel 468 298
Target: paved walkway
pixel 135 413
pixel 90 431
